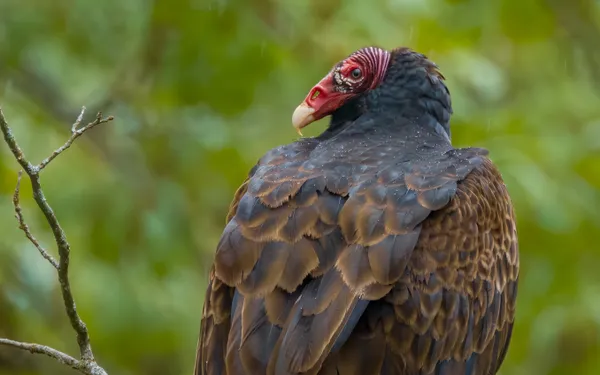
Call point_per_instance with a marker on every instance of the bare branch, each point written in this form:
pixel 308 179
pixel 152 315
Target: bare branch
pixel 14 147
pixel 25 228
pixel 87 364
pixel 78 121
pixel 75 133
pixel 86 368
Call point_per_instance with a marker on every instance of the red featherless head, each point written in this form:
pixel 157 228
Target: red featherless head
pixel 362 70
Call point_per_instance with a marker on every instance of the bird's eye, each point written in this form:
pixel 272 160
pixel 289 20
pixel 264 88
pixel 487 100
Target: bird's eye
pixel 356 73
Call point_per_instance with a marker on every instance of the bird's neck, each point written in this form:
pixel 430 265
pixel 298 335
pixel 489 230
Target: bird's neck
pixel 424 113
pixel 418 97
pixel 345 115
pixel 402 115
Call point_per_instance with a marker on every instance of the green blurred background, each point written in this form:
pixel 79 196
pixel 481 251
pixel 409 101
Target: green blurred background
pixel 202 88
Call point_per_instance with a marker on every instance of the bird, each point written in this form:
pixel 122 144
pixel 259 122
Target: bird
pixel 374 248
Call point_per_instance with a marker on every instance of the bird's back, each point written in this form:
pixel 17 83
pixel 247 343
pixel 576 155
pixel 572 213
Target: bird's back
pixel 364 252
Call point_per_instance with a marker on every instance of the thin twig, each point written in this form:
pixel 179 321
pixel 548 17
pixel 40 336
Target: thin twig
pixel 14 147
pixel 86 368
pixel 87 362
pixel 42 349
pixel 25 228
pixel 78 121
pixel 75 133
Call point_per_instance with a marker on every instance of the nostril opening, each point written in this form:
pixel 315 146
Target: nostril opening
pixel 315 94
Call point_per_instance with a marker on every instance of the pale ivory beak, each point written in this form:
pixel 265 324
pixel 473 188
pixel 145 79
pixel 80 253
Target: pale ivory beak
pixel 303 115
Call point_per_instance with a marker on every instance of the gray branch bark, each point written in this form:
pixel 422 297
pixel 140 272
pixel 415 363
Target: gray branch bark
pixel 87 363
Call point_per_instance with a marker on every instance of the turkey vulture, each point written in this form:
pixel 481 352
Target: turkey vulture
pixel 374 248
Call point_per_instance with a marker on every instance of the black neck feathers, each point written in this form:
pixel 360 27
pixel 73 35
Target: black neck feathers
pixel 413 89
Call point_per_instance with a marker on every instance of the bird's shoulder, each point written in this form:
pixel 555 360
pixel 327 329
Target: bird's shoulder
pixel 373 192
pixel 458 291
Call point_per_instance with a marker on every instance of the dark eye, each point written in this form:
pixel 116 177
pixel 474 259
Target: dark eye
pixel 356 73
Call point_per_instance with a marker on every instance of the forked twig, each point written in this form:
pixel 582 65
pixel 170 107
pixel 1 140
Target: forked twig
pixel 24 227
pixel 86 364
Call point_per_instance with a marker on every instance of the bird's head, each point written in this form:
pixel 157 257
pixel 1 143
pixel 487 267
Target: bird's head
pixel 405 74
pixel 361 71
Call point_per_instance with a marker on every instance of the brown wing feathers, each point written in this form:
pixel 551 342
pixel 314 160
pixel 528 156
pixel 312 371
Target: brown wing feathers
pixel 452 311
pixel 308 243
pixel 215 327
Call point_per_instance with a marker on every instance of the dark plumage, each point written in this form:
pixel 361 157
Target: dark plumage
pixel 374 248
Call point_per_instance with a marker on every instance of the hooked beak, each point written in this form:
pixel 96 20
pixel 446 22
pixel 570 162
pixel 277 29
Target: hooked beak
pixel 302 116
pixel 321 101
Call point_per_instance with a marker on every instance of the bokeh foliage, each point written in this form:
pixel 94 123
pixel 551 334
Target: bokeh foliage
pixel 202 88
